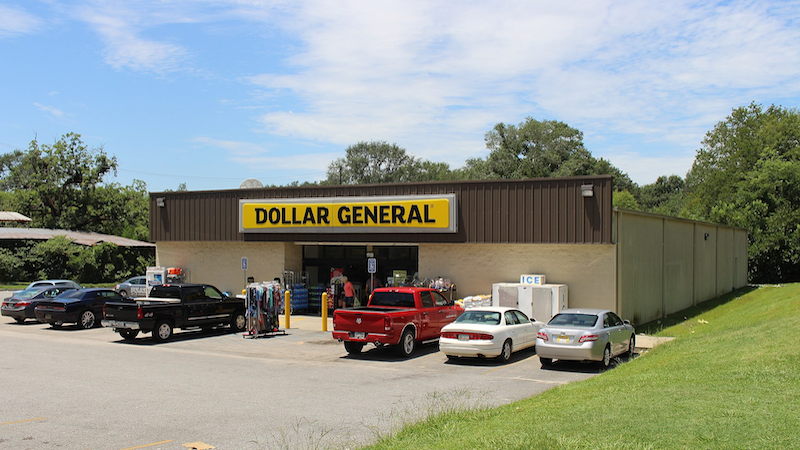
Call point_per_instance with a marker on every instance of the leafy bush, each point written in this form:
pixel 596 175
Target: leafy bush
pixel 61 258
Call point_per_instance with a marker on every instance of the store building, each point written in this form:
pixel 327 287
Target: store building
pixel 474 233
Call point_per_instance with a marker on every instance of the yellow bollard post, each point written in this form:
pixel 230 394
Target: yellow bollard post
pixel 324 306
pixel 287 306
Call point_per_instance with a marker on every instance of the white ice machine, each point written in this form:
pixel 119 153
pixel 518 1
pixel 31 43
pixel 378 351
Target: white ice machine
pixel 539 301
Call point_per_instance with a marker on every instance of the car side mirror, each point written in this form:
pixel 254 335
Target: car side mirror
pixel 533 319
pixel 626 322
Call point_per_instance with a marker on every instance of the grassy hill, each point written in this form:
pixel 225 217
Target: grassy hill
pixel 731 380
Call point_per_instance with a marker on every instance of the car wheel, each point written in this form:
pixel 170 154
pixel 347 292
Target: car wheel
pixel 56 325
pixel 86 320
pixel 238 321
pixel 546 361
pixel 163 331
pixel 631 346
pixel 407 344
pixel 19 320
pixel 505 353
pixel 353 348
pixel 606 357
pixel 128 335
pixel 451 357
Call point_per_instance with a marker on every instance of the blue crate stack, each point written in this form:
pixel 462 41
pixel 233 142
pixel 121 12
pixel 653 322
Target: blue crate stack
pixel 315 297
pixel 299 298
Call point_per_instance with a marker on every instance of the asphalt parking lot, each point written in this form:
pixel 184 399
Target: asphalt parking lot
pixel 79 389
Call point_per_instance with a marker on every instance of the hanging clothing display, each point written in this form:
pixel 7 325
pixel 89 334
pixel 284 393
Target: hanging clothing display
pixel 263 304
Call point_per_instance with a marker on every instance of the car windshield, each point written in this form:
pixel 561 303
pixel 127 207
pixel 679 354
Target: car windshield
pixel 574 320
pixel 479 317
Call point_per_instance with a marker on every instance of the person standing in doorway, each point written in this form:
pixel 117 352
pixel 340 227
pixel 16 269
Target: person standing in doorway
pixel 349 293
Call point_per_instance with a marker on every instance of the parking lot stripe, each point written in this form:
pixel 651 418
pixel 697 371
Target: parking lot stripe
pixel 23 421
pixel 147 445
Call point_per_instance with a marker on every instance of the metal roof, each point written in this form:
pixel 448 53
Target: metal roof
pixel 78 237
pixel 10 216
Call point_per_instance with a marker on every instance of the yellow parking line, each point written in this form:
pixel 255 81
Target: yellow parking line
pixel 23 421
pixel 148 445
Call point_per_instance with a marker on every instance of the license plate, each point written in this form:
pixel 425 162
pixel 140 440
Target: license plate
pixel 562 339
pixel 359 335
pixel 48 316
pixel 463 337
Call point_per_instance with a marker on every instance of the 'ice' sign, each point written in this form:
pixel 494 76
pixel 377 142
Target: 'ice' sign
pixel 532 279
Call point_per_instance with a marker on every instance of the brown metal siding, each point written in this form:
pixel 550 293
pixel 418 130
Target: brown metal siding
pixel 546 210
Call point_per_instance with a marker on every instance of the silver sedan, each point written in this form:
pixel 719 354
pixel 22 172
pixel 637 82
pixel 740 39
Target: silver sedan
pixel 585 335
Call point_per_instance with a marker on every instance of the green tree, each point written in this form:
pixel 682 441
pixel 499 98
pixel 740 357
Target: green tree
pixel 60 186
pixel 377 162
pixel 539 149
pixel 747 174
pixel 624 199
pixel 666 196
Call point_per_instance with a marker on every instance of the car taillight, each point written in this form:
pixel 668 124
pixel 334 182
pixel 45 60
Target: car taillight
pixel 22 304
pixel 387 324
pixel 471 336
pixel 587 338
pixel 58 308
pixel 542 335
pixel 139 313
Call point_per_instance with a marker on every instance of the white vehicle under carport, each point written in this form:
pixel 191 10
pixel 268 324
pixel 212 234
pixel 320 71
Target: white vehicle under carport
pixel 585 335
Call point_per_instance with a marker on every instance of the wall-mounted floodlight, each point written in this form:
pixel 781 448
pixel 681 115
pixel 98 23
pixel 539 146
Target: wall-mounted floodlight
pixel 587 190
pixel 160 202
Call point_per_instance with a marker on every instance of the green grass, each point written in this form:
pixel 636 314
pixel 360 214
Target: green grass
pixel 730 383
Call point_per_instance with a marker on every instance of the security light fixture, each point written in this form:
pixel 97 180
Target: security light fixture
pixel 587 190
pixel 160 202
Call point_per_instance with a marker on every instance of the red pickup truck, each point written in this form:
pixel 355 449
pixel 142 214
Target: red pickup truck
pixel 399 316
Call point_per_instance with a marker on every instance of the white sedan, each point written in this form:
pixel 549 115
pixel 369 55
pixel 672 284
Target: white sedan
pixel 488 332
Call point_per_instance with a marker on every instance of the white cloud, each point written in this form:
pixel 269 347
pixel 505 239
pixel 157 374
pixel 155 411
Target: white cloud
pixel 416 72
pixel 16 21
pixel 120 29
pixel 49 109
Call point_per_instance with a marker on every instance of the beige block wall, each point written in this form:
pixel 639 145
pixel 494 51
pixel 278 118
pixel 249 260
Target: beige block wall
pixel 640 257
pixel 589 271
pixel 220 263
pixel 678 265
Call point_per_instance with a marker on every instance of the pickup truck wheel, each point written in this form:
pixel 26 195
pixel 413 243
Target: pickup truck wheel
pixel 353 348
pixel 162 331
pixel 128 335
pixel 238 321
pixel 407 343
pixel 86 320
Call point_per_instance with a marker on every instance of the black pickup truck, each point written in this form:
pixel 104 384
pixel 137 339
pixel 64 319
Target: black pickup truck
pixel 171 306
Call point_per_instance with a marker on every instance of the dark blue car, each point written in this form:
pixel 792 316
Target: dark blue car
pixel 82 306
pixel 21 305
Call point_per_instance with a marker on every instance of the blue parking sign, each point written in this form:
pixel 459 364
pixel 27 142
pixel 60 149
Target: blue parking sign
pixel 372 265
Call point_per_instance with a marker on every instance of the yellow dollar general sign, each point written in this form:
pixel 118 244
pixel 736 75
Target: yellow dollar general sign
pixel 410 213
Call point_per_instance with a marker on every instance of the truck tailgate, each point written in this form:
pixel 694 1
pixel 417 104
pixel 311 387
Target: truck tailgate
pixel 368 320
pixel 122 311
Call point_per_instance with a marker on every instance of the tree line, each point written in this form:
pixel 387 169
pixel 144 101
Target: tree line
pixel 745 174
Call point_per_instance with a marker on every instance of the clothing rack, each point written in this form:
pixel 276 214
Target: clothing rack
pixel 263 304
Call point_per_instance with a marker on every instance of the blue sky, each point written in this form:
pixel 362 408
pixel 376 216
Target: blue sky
pixel 211 92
